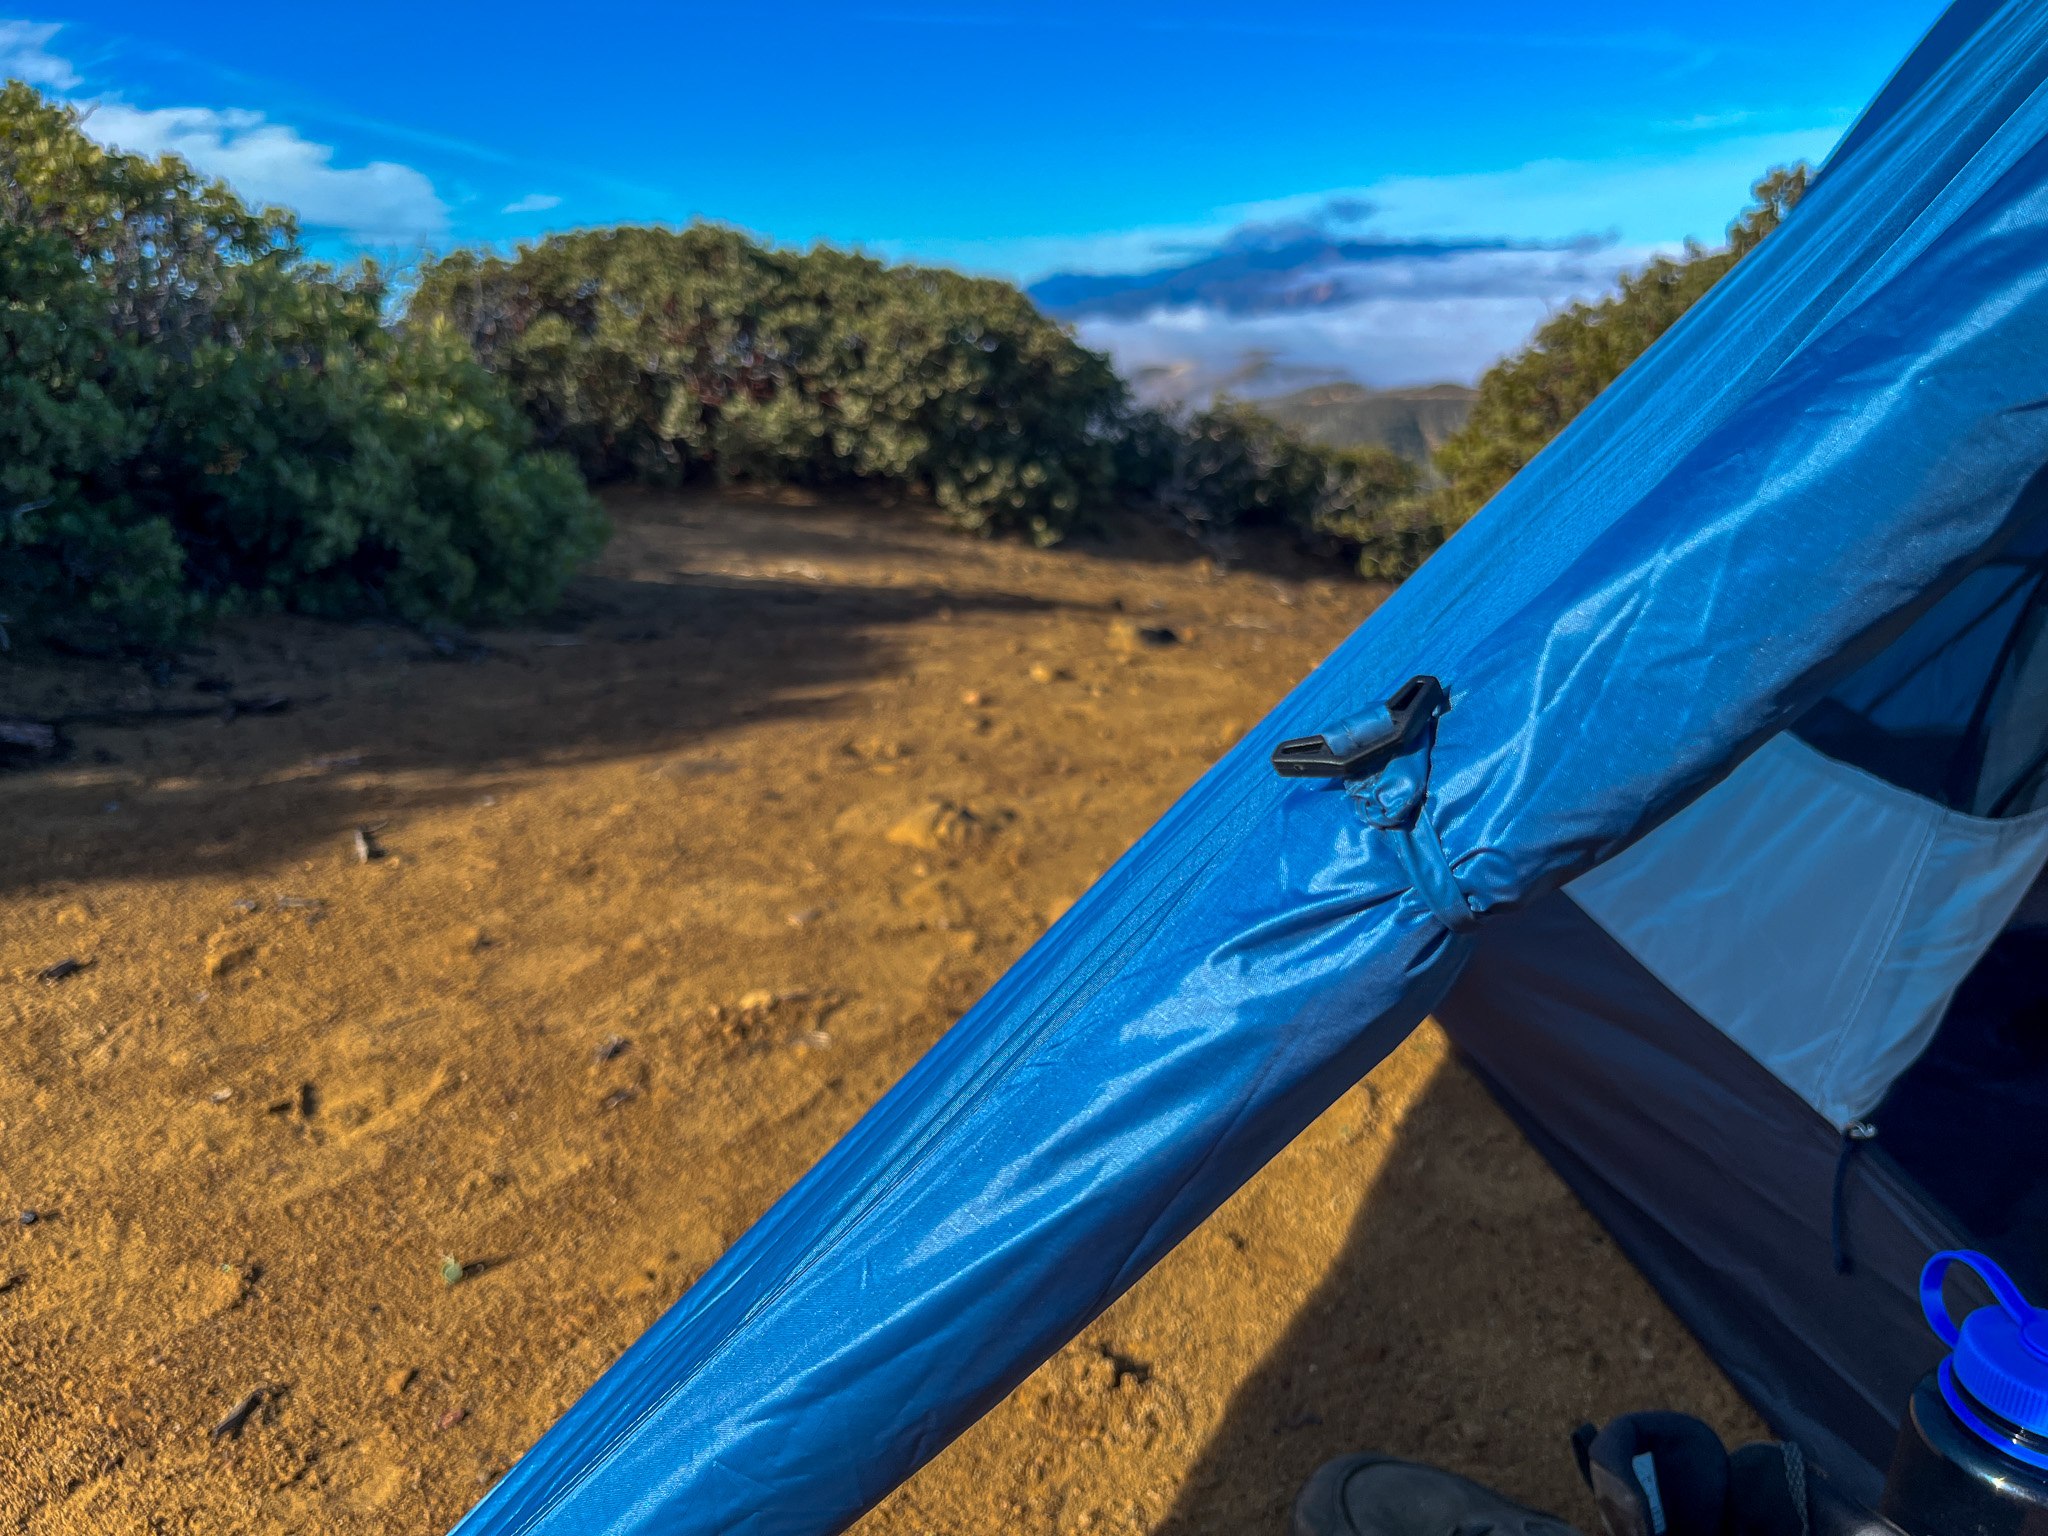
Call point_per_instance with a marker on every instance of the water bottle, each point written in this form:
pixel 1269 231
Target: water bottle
pixel 1972 1458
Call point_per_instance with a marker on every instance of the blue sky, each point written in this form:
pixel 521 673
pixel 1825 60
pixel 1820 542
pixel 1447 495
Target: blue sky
pixel 1019 140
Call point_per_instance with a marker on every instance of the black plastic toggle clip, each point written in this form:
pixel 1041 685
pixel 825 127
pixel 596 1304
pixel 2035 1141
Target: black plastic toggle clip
pixel 1366 742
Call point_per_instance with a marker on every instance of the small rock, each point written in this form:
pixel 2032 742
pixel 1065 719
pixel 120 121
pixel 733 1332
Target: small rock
pixel 756 1002
pixel 68 966
pixel 238 1415
pixel 974 698
pixel 614 1045
pixel 804 918
pixel 220 1095
pixel 1128 635
pixel 223 961
pixel 938 824
pixel 619 1096
pixel 398 1381
pixel 1041 673
pixel 29 1218
pixel 366 846
pixel 453 1417
pixel 919 829
pixel 451 1269
pixel 879 749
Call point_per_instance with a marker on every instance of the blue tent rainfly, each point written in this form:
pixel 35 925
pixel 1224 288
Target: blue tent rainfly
pixel 1778 582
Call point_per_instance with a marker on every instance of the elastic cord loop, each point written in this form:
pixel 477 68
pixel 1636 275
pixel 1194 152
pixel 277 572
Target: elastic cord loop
pixel 1396 801
pixel 1854 1134
pixel 1422 855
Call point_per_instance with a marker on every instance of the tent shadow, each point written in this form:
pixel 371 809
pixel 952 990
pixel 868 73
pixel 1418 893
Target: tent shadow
pixel 381 722
pixel 1475 1314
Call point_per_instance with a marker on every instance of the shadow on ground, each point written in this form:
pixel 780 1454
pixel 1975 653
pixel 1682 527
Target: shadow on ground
pixel 1448 1331
pixel 383 719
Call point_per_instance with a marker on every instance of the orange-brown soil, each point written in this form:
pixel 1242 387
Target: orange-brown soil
pixel 410 1147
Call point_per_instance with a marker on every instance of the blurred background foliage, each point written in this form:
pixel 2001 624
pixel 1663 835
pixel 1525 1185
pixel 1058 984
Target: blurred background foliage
pixel 661 354
pixel 195 420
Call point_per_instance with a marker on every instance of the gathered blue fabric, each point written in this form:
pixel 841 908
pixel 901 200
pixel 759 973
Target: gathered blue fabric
pixel 1837 435
pixel 1396 801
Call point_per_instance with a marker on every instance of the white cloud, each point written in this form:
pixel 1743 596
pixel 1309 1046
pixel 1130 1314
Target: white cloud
pixel 533 202
pixel 1443 317
pixel 1644 200
pixel 1430 320
pixel 23 56
pixel 266 162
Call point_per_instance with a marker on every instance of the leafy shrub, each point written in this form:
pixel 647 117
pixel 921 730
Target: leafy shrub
pixel 65 425
pixel 656 353
pixel 1375 515
pixel 1231 466
pixel 196 421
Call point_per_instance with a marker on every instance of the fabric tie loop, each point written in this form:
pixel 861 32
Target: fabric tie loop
pixel 1396 801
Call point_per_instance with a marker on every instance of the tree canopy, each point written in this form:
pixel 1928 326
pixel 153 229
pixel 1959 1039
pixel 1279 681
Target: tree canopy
pixel 660 353
pixel 196 420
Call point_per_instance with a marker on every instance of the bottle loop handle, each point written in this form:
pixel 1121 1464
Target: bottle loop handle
pixel 2002 1288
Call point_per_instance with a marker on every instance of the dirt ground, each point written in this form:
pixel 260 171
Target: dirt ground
pixel 349 1174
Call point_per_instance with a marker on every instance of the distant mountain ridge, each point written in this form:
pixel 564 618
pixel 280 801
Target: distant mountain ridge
pixel 1412 422
pixel 1245 277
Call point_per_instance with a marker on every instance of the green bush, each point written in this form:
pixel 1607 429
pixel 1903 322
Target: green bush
pixel 1231 466
pixel 66 425
pixel 1376 517
pixel 196 421
pixel 656 354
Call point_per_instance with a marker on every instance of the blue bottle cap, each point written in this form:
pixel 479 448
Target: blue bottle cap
pixel 2001 1352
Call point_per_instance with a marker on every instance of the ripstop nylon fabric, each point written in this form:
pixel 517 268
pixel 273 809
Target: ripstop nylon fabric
pixel 1760 503
pixel 1819 917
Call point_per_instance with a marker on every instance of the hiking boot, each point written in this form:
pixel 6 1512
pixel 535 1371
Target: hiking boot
pixel 1666 1474
pixel 1382 1496
pixel 1655 1474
